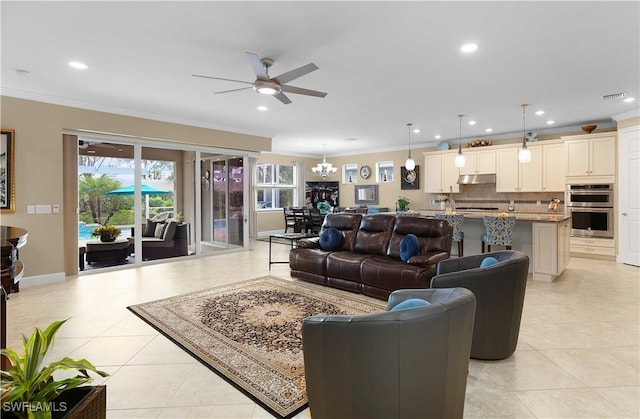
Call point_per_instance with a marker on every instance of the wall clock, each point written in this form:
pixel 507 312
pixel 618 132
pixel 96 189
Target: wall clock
pixel 365 172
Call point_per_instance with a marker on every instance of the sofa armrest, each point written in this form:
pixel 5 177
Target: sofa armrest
pixel 430 258
pixel 309 243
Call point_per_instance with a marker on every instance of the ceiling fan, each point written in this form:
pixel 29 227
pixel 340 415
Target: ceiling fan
pixel 274 86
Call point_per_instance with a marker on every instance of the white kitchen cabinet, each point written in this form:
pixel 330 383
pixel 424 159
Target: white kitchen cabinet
pixel 553 167
pixel 598 248
pixel 441 173
pixel 592 155
pixel 513 176
pixel 479 162
pixel 550 249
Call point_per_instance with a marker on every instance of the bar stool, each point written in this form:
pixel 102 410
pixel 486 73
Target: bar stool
pixel 499 231
pixel 456 220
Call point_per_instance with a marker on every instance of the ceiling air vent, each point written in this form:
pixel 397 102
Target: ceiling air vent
pixel 621 95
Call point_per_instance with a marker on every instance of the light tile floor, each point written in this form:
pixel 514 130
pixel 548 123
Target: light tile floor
pixel 577 357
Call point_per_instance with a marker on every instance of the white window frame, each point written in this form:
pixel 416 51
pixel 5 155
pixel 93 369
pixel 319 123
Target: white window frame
pixel 349 169
pixel 275 185
pixel 384 165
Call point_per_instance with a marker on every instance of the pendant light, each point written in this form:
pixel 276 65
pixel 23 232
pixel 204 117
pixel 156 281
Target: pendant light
pixel 524 155
pixel 410 164
pixel 460 159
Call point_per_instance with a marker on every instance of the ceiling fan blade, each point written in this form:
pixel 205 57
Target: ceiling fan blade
pixel 232 90
pixel 301 91
pixel 282 98
pixel 294 74
pixel 257 66
pixel 221 78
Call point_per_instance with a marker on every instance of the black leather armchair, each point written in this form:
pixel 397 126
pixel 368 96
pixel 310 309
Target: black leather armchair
pixel 410 363
pixel 499 291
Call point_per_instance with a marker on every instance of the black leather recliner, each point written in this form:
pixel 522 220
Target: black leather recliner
pixel 499 291
pixel 410 363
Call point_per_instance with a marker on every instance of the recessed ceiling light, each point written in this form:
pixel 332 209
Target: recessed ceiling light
pixel 551 122
pixel 472 122
pixel 438 136
pixel 262 108
pixel 417 130
pixel 488 130
pixel 540 112
pixel 629 99
pixel 78 65
pixel 468 48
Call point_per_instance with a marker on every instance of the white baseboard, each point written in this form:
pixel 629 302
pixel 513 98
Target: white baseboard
pixel 33 281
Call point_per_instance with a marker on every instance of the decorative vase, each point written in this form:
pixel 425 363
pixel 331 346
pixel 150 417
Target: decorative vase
pixel 107 237
pixel 443 205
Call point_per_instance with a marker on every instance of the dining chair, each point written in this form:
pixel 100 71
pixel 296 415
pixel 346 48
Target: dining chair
pixel 456 220
pixel 289 219
pixel 301 225
pixel 499 231
pixel 316 220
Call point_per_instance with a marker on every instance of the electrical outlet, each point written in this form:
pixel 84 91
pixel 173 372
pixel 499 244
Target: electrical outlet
pixel 538 203
pixel 56 208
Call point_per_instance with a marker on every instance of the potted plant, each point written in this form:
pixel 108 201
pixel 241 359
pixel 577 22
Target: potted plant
pixel 29 389
pixel 403 203
pixel 106 233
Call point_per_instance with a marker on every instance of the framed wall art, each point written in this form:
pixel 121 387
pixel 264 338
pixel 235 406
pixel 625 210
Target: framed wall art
pixel 7 171
pixel 410 178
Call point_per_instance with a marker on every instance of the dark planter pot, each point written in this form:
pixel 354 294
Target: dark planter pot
pixel 88 402
pixel 107 238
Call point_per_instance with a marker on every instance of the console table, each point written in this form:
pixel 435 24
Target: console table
pixel 11 239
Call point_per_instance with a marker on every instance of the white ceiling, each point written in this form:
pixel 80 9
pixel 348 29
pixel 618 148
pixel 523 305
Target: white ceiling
pixel 383 64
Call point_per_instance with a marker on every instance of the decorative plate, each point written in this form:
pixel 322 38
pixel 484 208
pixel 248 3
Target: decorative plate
pixel 365 172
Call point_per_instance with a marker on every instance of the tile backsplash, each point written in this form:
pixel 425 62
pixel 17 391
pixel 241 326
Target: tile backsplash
pixel 486 196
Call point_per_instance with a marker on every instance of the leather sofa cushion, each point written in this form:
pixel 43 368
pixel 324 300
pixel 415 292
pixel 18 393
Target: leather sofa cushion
pixel 430 233
pixel 374 233
pixel 345 265
pixel 347 224
pixel 309 260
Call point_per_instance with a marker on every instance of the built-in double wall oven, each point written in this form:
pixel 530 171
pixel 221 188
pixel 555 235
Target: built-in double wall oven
pixel 591 209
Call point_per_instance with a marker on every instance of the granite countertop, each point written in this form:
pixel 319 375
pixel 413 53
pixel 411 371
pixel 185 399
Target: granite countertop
pixel 546 217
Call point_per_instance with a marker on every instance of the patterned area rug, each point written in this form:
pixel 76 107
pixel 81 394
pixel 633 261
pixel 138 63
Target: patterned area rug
pixel 250 332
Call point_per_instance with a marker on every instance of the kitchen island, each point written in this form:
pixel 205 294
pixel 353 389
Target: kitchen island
pixel 544 237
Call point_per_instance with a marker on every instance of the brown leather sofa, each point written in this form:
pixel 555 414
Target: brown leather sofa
pixel 368 259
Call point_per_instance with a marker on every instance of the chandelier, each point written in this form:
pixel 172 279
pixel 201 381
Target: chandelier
pixel 324 169
pixel 410 164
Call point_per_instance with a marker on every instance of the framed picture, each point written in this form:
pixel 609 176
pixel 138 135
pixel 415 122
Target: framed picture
pixel 7 172
pixel 410 178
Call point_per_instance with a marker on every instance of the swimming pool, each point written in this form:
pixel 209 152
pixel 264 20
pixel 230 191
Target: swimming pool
pixel 85 230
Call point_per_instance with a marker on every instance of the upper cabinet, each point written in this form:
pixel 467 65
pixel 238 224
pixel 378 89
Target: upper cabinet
pixel 553 167
pixel 513 176
pixel 441 173
pixel 479 162
pixel 590 155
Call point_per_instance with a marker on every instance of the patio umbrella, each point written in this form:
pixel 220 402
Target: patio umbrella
pixel 146 190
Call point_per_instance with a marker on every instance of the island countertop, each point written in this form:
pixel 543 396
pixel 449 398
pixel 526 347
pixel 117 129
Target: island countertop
pixel 521 216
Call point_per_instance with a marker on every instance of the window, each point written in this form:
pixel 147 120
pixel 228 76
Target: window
pixel 350 173
pixel 276 186
pixel 384 171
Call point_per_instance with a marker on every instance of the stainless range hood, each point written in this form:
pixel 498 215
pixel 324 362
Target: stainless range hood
pixel 476 179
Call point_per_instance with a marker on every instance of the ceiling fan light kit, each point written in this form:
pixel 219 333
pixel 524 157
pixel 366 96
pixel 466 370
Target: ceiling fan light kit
pixel 273 86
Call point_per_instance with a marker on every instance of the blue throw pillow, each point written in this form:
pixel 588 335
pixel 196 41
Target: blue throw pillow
pixel 409 246
pixel 330 239
pixel 410 303
pixel 488 262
